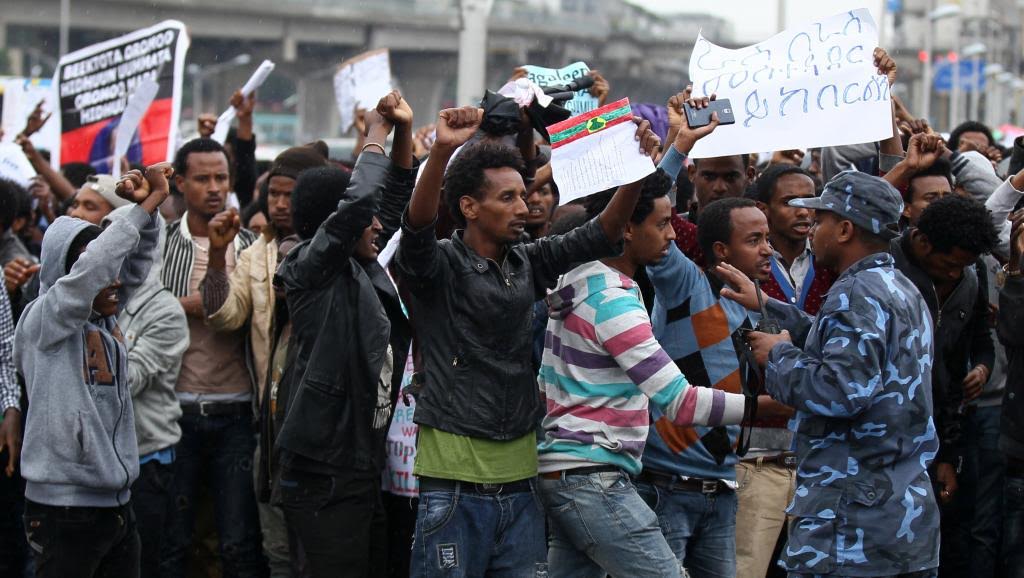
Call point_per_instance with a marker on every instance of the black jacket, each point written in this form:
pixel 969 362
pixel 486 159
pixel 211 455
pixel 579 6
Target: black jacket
pixel 1010 328
pixel 344 315
pixel 961 340
pixel 473 321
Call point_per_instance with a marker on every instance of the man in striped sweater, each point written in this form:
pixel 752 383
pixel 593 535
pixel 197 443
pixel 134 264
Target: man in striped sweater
pixel 601 365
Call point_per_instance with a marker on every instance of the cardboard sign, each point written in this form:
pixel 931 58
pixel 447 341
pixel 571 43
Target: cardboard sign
pixel 810 86
pixel 544 77
pixel 361 81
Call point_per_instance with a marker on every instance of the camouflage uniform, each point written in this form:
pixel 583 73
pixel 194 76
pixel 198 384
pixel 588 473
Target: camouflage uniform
pixel 861 386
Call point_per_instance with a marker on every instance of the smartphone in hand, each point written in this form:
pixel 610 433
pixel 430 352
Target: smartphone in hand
pixel 697 118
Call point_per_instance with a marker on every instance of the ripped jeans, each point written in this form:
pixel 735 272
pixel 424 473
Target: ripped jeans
pixel 219 448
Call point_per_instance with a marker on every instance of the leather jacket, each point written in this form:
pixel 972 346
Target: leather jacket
pixel 344 315
pixel 473 321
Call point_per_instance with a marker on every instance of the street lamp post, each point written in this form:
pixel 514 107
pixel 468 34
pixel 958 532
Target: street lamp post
pixel 974 52
pixel 934 14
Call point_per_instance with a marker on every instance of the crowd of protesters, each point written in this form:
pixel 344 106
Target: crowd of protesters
pixel 806 362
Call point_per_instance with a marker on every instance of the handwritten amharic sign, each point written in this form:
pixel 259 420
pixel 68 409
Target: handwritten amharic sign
pixel 810 86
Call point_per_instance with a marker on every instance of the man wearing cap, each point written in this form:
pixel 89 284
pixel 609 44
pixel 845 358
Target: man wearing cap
pixel 214 385
pixel 859 377
pixel 96 199
pixel 248 299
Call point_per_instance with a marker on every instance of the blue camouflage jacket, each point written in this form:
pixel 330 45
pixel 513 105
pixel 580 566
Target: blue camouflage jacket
pixel 861 385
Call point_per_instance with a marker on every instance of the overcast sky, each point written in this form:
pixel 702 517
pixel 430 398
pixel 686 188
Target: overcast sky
pixel 756 20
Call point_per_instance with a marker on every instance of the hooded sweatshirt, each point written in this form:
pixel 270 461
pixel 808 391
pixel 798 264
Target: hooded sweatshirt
pixel 601 364
pixel 79 447
pixel 156 336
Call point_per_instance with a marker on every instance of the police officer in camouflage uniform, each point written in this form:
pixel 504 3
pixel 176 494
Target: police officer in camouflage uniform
pixel 859 376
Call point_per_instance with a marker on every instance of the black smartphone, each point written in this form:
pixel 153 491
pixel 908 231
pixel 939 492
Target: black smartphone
pixel 697 118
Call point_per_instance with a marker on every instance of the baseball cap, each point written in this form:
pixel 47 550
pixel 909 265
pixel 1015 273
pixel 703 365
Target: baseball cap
pixel 869 202
pixel 105 186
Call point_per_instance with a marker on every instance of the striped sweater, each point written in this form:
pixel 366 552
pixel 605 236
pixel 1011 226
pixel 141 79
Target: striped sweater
pixel 601 364
pixel 179 253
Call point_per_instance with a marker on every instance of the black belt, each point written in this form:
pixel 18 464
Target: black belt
pixel 441 485
pixel 557 474
pixel 673 482
pixel 211 408
pixel 786 460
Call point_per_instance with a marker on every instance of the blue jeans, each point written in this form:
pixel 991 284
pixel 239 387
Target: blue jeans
pixel 466 534
pixel 219 448
pixel 1013 527
pixel 599 525
pixel 700 528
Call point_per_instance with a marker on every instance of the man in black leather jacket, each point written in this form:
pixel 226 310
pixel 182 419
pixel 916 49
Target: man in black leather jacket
pixel 938 256
pixel 471 303
pixel 345 357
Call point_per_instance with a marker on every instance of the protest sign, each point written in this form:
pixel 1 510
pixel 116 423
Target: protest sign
pixel 360 82
pixel 596 151
pixel 14 165
pixel 397 477
pixel 94 84
pixel 18 98
pixel 220 132
pixel 544 77
pixel 810 86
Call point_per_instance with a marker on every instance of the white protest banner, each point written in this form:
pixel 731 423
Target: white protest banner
pixel 18 98
pixel 14 165
pixel 138 104
pixel 397 476
pixel 94 84
pixel 544 77
pixel 596 151
pixel 220 132
pixel 360 82
pixel 811 86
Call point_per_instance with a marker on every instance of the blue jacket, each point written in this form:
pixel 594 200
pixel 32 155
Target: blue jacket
pixel 861 385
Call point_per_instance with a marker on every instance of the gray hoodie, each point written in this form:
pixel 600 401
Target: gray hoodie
pixel 156 335
pixel 79 447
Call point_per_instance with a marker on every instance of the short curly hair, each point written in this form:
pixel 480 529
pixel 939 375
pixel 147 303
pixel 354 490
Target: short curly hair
pixel 196 145
pixel 656 185
pixel 763 189
pixel 315 197
pixel 969 126
pixel 714 224
pixel 956 221
pixel 465 176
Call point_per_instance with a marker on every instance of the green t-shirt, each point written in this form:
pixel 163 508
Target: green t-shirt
pixel 453 457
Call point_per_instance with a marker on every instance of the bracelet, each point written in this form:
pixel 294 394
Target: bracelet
pixel 373 144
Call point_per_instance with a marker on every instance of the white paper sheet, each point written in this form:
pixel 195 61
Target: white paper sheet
pixel 220 132
pixel 360 82
pixel 14 165
pixel 810 86
pixel 602 159
pixel 138 104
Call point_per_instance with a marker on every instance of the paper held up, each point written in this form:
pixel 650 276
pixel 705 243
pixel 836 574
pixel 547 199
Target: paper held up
pixel 360 82
pixel 596 151
pixel 220 132
pixel 814 85
pixel 543 77
pixel 14 165
pixel 138 104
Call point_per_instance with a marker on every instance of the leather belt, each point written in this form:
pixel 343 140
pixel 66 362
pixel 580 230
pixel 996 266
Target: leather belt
pixel 673 482
pixel 557 474
pixel 213 408
pixel 441 485
pixel 785 460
